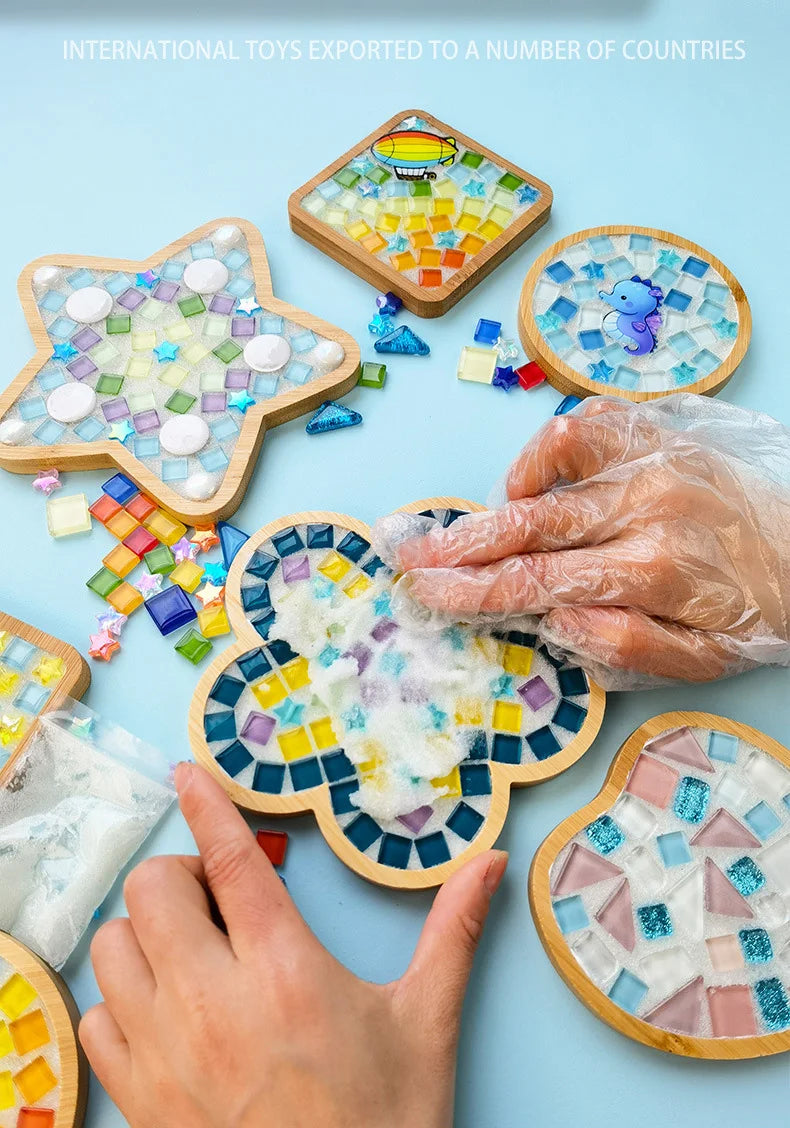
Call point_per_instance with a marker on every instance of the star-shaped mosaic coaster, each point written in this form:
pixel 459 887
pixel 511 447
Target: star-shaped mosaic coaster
pixel 171 369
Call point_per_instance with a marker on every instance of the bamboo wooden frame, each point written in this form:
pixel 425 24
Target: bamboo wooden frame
pixel 255 423
pixel 317 800
pixel 418 299
pixel 64 1018
pixel 726 1049
pixel 566 380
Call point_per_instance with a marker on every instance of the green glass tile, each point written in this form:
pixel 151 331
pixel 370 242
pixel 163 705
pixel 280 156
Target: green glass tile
pixel 160 560
pixel 120 323
pixel 104 582
pixel 227 351
pixel 379 175
pixel 472 160
pixel 347 177
pixel 372 375
pixel 192 305
pixel 420 188
pixel 510 181
pixel 180 402
pixel 109 384
pixel 193 646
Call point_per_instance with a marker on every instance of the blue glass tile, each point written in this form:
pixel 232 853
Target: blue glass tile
pixel 625 377
pixel 600 245
pixel 172 271
pixel 691 799
pixel 287 542
pixel 762 820
pixel 559 272
pixel 664 277
pixel 306 773
pixel 175 469
pixel 620 267
pixel 543 743
pixel 303 342
pixel 203 249
pixel 627 991
pixel 88 430
pixel 33 408
pixel 264 623
pixel 475 779
pixel 297 372
pixel 239 287
pixel 584 291
pixel 236 259
pixel 682 343
pixel 756 945
pixel 80 279
pixel 394 851
pixel 234 758
pixel 340 794
pixel 266 384
pixel 62 327
pixel 605 834
pixel 353 547
pixel 655 921
pixel 465 821
pixel 676 299
pixel 710 311
pixel 573 682
pixel 569 716
pixel 329 189
pixel 52 301
pixel 254 665
pixel 773 1003
pixel 50 378
pixel 49 432
pixel 147 447
pixel 320 536
pixel 613 355
pixel 271 323
pixel 337 766
pixel 506 749
pixel 432 850
pixel 570 914
pixel 363 832
pixel 564 308
pixel 706 362
pixel 212 460
pixel 120 488
pixel 560 341
pixel 478 746
pixel 746 876
pixel 640 243
pixel 227 690
pixel 268 778
pixel 567 404
pixel 695 267
pixel 723 746
pixel 590 339
pixel 673 848
pixel 18 654
pixel 219 726
pixel 170 609
pixel 223 428
pixel 231 540
pixel 281 652
pixel 32 698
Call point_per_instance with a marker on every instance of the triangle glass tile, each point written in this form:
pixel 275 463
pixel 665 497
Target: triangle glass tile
pixel 332 417
pixel 230 540
pixel 403 341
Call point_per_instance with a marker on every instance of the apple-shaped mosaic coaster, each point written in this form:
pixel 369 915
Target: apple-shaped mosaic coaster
pixel 665 902
pixel 171 369
pixel 421 210
pixel 331 728
pixel 633 312
pixel 43 1076
pixel 37 673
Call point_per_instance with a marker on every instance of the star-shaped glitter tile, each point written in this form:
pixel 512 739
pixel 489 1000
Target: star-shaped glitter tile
pixel 133 361
pixel 11 728
pixel 47 481
pixel 49 669
pixel 103 645
pixel 184 549
pixel 446 239
pixel 289 713
pixel 204 539
pixel 593 270
pixel 475 188
pixel 506 348
pixel 526 194
pixel 112 622
pixel 216 573
pixel 209 594
pixel 149 584
pixel 83 726
pixel 601 371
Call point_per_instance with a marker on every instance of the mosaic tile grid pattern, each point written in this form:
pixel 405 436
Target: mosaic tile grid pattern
pixel 425 222
pixel 28 677
pixel 676 902
pixel 164 352
pixel 29 1056
pixel 698 313
pixel 270 733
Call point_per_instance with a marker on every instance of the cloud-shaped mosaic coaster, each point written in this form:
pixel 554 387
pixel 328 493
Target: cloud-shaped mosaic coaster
pixel 43 1076
pixel 665 902
pixel 405 746
pixel 171 369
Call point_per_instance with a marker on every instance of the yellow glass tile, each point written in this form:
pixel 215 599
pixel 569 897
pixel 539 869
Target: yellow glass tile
pixel 143 340
pixel 125 599
pixel 507 716
pixel 296 673
pixel 500 215
pixel 517 659
pixel 194 352
pixel 444 188
pixel 348 200
pixel 357 586
pixel 335 217
pixel 29 1032
pixel 420 205
pixel 35 1081
pixel 388 222
pixel 5 638
pixel 16 995
pixel 358 229
pixel 178 331
pixel 502 198
pixel 323 733
pixel 138 368
pixel 443 207
pixel 468 711
pixel 375 758
pixel 420 239
pixel 470 244
pixel 48 669
pixel 373 243
pixel 451 781
pixel 334 567
pixel 368 208
pixel 7 1094
pixel 6 1045
pixel 404 261
pixel 121 560
pixel 167 529
pixel 217 328
pixel 270 691
pixel 8 681
pixel 467 222
pixel 213 621
pixel 12 729
pixel 173 375
pixel 439 223
pixel 121 524
pixel 473 207
pixel 187 575
pixel 414 223
pixel 294 744
pixel 399 205
pixel 430 256
pixel 150 310
pixel 489 230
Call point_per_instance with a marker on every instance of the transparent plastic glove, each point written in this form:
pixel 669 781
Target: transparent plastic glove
pixel 653 537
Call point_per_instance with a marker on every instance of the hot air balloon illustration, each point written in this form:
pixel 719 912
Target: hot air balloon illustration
pixel 412 153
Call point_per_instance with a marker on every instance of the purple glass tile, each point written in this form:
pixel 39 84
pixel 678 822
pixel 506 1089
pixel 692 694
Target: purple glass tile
pixel 237 377
pixel 145 421
pixel 220 303
pixel 536 693
pixel 361 653
pixel 416 820
pixel 383 629
pixel 242 327
pixel 115 409
pixel 81 367
pixel 85 339
pixel 131 299
pixel 214 401
pixel 375 693
pixel 296 568
pixel 258 728
pixel 165 291
pixel 412 690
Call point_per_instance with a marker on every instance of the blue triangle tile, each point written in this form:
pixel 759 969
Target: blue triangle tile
pixel 332 416
pixel 230 539
pixel 402 340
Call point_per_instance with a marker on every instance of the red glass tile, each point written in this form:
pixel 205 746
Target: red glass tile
pixel 140 541
pixel 453 258
pixel 140 507
pixel 530 375
pixel 274 843
pixel 430 278
pixel 104 508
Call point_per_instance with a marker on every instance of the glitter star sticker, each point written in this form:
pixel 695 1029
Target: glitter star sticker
pixel 248 307
pixel 166 351
pixel 47 481
pixel 103 646
pixel 241 401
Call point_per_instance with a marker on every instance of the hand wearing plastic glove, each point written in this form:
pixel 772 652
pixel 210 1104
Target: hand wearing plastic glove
pixel 655 537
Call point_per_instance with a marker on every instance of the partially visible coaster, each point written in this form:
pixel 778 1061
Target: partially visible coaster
pixel 633 312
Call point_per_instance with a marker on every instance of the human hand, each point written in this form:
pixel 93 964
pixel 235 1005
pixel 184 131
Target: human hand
pixel 655 538
pixel 260 1025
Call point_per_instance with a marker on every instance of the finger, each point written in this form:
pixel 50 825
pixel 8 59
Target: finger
pixel 123 974
pixel 625 640
pixel 251 898
pixel 108 1053
pixel 439 971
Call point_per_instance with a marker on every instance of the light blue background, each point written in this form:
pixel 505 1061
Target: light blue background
pixel 119 159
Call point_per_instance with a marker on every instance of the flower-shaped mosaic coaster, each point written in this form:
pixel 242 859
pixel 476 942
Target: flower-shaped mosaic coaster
pixel 404 746
pixel 419 209
pixel 37 672
pixel 665 903
pixel 171 369
pixel 43 1077
pixel 633 312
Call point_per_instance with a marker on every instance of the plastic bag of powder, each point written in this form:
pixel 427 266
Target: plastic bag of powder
pixel 74 808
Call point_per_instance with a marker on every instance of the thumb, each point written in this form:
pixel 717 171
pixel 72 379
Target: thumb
pixel 436 978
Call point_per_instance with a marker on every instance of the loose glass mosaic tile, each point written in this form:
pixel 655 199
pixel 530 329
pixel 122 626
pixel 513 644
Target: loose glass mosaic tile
pixel 691 896
pixel 338 693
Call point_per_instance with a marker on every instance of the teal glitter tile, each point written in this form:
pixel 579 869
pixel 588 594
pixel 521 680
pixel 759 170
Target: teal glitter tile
pixel 605 834
pixel 570 914
pixel 746 876
pixel 773 1003
pixel 655 921
pixel 691 799
pixel 627 991
pixel 756 945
